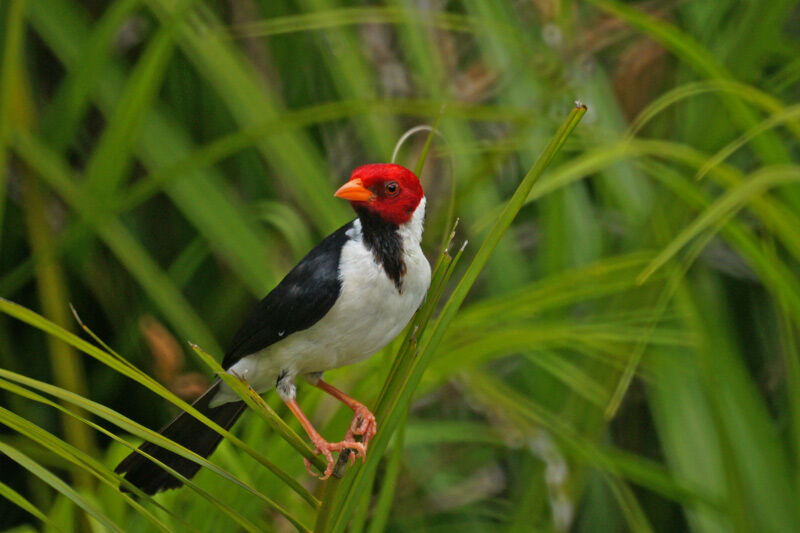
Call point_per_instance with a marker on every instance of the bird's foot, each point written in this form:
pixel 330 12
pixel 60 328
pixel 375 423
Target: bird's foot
pixel 327 448
pixel 363 425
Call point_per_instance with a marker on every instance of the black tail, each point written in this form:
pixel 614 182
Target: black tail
pixel 187 431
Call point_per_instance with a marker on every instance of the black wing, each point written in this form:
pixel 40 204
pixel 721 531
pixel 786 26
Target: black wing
pixel 303 297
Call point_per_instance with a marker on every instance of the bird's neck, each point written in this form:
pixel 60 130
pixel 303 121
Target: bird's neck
pixel 411 231
pixel 388 241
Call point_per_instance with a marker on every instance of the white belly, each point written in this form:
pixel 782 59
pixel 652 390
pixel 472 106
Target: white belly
pixel 369 312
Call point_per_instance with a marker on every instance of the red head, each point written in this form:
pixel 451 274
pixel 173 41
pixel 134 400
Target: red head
pixel 391 191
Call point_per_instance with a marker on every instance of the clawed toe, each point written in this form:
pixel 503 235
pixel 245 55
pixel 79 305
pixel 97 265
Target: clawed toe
pixel 327 449
pixel 309 467
pixel 363 425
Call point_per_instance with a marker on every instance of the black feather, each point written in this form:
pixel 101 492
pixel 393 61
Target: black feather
pixel 187 431
pixel 382 239
pixel 304 296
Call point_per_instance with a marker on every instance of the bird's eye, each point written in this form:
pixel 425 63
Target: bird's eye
pixel 392 188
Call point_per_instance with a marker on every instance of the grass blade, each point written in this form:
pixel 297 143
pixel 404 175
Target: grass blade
pixel 147 434
pixel 11 92
pixel 41 323
pixel 20 501
pixel 52 480
pixel 388 412
pixel 723 209
pixel 156 283
pixel 81 460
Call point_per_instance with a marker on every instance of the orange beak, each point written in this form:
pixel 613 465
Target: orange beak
pixel 354 191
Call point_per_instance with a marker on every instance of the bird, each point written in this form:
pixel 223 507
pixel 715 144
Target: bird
pixel 345 300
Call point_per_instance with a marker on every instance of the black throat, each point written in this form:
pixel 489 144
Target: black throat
pixel 385 243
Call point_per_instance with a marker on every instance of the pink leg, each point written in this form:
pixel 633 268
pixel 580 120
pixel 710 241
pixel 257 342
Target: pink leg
pixel 320 444
pixel 363 424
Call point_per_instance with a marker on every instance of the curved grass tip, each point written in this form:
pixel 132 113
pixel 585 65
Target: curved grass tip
pixel 412 131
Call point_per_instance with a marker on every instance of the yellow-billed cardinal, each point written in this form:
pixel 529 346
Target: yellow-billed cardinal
pixel 345 300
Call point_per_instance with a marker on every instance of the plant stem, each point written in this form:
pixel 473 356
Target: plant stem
pixel 67 365
pixel 400 385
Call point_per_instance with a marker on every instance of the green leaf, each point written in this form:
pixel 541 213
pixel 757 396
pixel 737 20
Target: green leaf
pixel 75 456
pixel 52 480
pixel 400 392
pixel 130 252
pixel 128 370
pixel 724 208
pixel 11 88
pixel 19 500
pixel 147 434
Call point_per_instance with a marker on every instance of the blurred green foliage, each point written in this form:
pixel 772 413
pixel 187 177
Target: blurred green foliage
pixel 626 360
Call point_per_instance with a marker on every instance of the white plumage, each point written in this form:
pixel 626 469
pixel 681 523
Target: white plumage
pixel 369 312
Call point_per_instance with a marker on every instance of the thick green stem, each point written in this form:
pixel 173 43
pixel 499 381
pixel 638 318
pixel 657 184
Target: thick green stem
pixel 66 363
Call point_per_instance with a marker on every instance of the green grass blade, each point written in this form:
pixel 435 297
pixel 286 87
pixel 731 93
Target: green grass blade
pixel 791 357
pixel 501 226
pixel 112 157
pixel 48 477
pixel 687 48
pixel 383 505
pixel 130 252
pixel 745 93
pixel 67 366
pixel 10 88
pixel 202 197
pixel 20 501
pixel 257 403
pixel 249 102
pixel 634 514
pixel 125 424
pixel 723 209
pixel 147 434
pixel 343 16
pixel 21 391
pixel 346 502
pixel 46 326
pixel 788 115
pixel 776 275
pixel 353 76
pixel 74 456
pixel 528 414
pixel 62 117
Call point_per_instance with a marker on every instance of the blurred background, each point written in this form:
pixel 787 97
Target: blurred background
pixel 628 359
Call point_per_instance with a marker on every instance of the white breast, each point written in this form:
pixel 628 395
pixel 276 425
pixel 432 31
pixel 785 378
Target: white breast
pixel 369 312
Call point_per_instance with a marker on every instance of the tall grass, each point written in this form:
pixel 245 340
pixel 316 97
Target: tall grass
pixel 622 356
